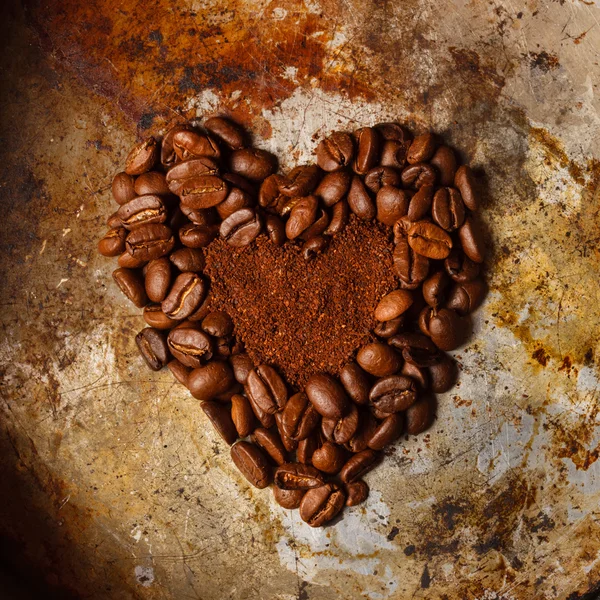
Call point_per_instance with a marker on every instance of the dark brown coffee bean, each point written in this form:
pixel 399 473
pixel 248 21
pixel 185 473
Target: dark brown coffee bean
pixel 420 203
pixel 158 279
pixel 132 285
pixel 393 131
pixel 155 317
pixel 179 371
pixel 203 191
pixel 242 365
pixel 471 239
pixel 327 396
pixel 386 329
pixel 167 153
pixel 321 505
pixel 199 216
pixel 444 160
pixel 393 394
pixel 416 348
pixel 422 148
pixel 378 359
pixel 366 426
pixel 460 267
pixel 113 242
pixel 188 259
pixel 287 498
pixel 359 200
pixel 266 388
pixel 197 236
pixel 296 476
pixel 367 152
pixel 443 375
pixel 190 169
pixel 411 268
pixel 191 144
pixel 241 228
pixel 358 465
pixel 302 216
pixel 393 154
pixel 299 417
pixel 314 246
pixel 151 183
pixel 204 307
pixel 113 221
pixel 339 218
pixel 148 242
pixel 242 415
pixel 392 204
pixel 220 418
pixel 269 196
pixel 418 175
pixel 435 289
pixel 319 225
pixel 186 295
pixel 252 163
pixel 392 305
pixel 271 443
pixel 429 240
pixel 236 200
pixel 357 492
pixel 464 180
pixel 329 458
pixel 266 419
pixel 465 297
pixel 143 210
pixel 225 130
pixel 378 177
pixel 420 415
pixel 335 152
pixel 387 432
pixel 153 348
pixel 123 188
pixel 218 324
pixel 355 382
pixel 210 380
pixel 333 187
pixel 446 329
pixel 306 448
pixel 289 444
pixel 402 226
pixel 190 347
pixel 275 229
pixel 301 181
pixel 236 180
pixel 448 210
pixel 142 158
pixel 343 429
pixel 252 464
pixel 418 374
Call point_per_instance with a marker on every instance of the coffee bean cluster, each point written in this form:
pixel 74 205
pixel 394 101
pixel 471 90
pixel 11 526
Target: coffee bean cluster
pixel 314 445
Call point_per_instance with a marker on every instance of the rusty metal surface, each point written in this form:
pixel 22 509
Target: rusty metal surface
pixel 113 482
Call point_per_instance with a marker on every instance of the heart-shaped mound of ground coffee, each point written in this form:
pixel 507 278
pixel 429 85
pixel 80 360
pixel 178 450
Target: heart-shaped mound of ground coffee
pixel 310 312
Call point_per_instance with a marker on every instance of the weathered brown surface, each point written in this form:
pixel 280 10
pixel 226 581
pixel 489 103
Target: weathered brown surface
pixel 127 491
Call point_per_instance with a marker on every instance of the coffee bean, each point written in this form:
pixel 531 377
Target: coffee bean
pixel 167 152
pixel 252 163
pixel 319 225
pixel 355 382
pixel 448 210
pixel 218 324
pixel 123 188
pixel 300 181
pixel 288 443
pixel 387 432
pixel 420 203
pixel 302 216
pixel 460 267
pixel 446 329
pixel 241 228
pixel 242 415
pixel 132 285
pixel 358 465
pixel 191 144
pixel 266 419
pixel 269 196
pixel 420 415
pixel 393 394
pixel 314 246
pixel 252 464
pixel 287 498
pixel 153 348
pixel 297 476
pixel 435 288
pixel 357 492
pixel 204 307
pixel 464 180
pixel 158 279
pixel 411 268
pixel 335 152
pixel 113 221
pixel 334 187
pixel 203 191
pixel 271 443
pixel 199 216
pixel 443 375
pixel 142 158
pixel 418 175
pixel 393 154
pixel 366 426
pixel 342 429
pixel 402 226
pixel 329 458
pixel 210 380
pixel 321 505
pixel 393 131
pixel 299 417
pixel 242 365
pixel 236 200
pixel 226 131
pixel 367 152
pixel 378 359
pixel 339 218
pixel 418 374
pixel 465 297
pixel 444 161
pixel 220 418
pixel 155 317
pixel 386 329
pixel 188 259
pixel 143 210
pixel 327 396
pixel 472 241
pixel 189 346
pixel 416 348
pixel 429 240
pixel 179 371
pixel 378 177
pixel 186 295
pixel 151 183
pixel 392 305
pixel 306 448
pixel 392 204
pixel 236 180
pixel 266 388
pixel 197 236
pixel 148 242
pixel 190 169
pixel 360 201
pixel 422 148
pixel 113 242
pixel 275 230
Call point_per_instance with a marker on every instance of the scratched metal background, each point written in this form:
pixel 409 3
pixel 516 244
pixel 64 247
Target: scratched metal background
pixel 112 483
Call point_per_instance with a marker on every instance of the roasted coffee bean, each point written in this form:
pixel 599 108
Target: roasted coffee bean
pixel 299 417
pixel 339 218
pixel 418 175
pixel 306 448
pixel 420 203
pixel 223 346
pixel 393 154
pixel 148 242
pixel 271 443
pixel 236 180
pixel 269 196
pixel 296 476
pixel 418 374
pixel 359 200
pixel 158 279
pixel 188 259
pixel 424 318
pixel 411 268
pixel 186 295
pixel 190 169
pixel 179 371
pixel 123 188
pixel 275 229
pixel 167 153
pixel 266 388
pixel 402 226
pixel 367 152
pixel 446 329
pixel 242 365
pixel 464 298
pixel 242 415
pixel 435 288
pixel 387 432
pixel 190 347
pixel 302 216
pixel 392 305
pixel 392 204
pixel 356 492
pixel 393 394
pixel 420 415
pixel 132 285
pixel 227 131
pixel 253 163
pixel 314 246
pixel 443 375
pixel 319 225
pixel 288 443
pixel 378 177
pixel 220 418
pixel 366 426
pixel 327 396
pixel 287 498
pixel 378 359
pixel 210 380
pixel 333 187
pixel 191 144
pixel 329 458
pixel 416 348
pixel 393 131
pixel 252 464
pixel 113 221
pixel 113 242
pixel 472 241
pixel 358 465
pixel 422 148
pixel 460 267
pixel 464 180
pixel 321 505
pixel 444 161
pixel 197 236
pixel 155 317
pixel 142 158
pixel 151 183
pixel 429 240
pixel 301 181
pixel 143 210
pixel 153 348
pixel 241 228
pixel 355 382
pixel 203 191
pixel 236 200
pixel 342 429
pixel 335 152
pixel 218 324
pixel 266 419
pixel 204 307
pixel 199 216
pixel 448 210
pixel 386 329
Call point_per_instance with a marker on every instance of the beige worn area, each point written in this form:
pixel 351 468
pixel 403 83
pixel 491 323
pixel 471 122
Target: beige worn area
pixel 114 483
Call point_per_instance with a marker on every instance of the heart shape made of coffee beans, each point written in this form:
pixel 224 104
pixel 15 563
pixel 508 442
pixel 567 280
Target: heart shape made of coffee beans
pixel 253 283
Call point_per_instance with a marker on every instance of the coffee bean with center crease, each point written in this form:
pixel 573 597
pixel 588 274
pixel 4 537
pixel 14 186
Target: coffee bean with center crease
pixel 321 505
pixel 357 492
pixel 420 203
pixel 329 458
pixel 188 259
pixel 446 329
pixel 192 144
pixel 429 240
pixel 448 209
pixel 418 374
pixel 297 476
pixel 186 295
pixel 420 415
pixel 151 183
pixel 299 417
pixel 387 432
pixel 333 187
pixel 252 464
pixel 465 297
pixel 411 268
pixel 153 348
pixel 242 415
pixel 197 236
pixel 378 177
pixel 190 347
pixel 366 426
pixel 314 246
pixel 113 242
pixel 435 289
pixel 167 152
pixel 210 380
pixel 464 180
pixel 367 151
pixel 335 152
pixel 357 466
pixel 386 329
pixel 242 365
pixel 269 195
pixel 288 443
pixel 422 148
pixel 471 238
pixel 393 394
pixel 359 200
pixel 275 230
pixel 190 169
pixel 301 181
pixel 158 279
pixel 355 382
pixel 339 218
pixel 443 375
pixel 378 359
pixel 148 242
pixel 444 160
pixel 236 200
pixel 267 389
pixel 393 154
pixel 203 191
pixel 342 429
pixel 155 317
pixel 132 285
pixel 123 188
pixel 227 131
pixel 113 222
pixel 252 163
pixel 142 158
pixel 306 448
pixel 220 418
pixel 241 228
pixel 418 175
pixel 392 204
pixel 460 267
pixel 271 443
pixel 287 498
pixel 416 348
pixel 327 396
pixel 392 305
pixel 302 216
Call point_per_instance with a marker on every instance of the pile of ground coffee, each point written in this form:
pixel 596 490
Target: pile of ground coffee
pixel 303 316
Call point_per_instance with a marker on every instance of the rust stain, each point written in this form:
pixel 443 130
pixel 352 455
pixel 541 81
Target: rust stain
pixel 545 61
pixel 541 356
pixel 555 153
